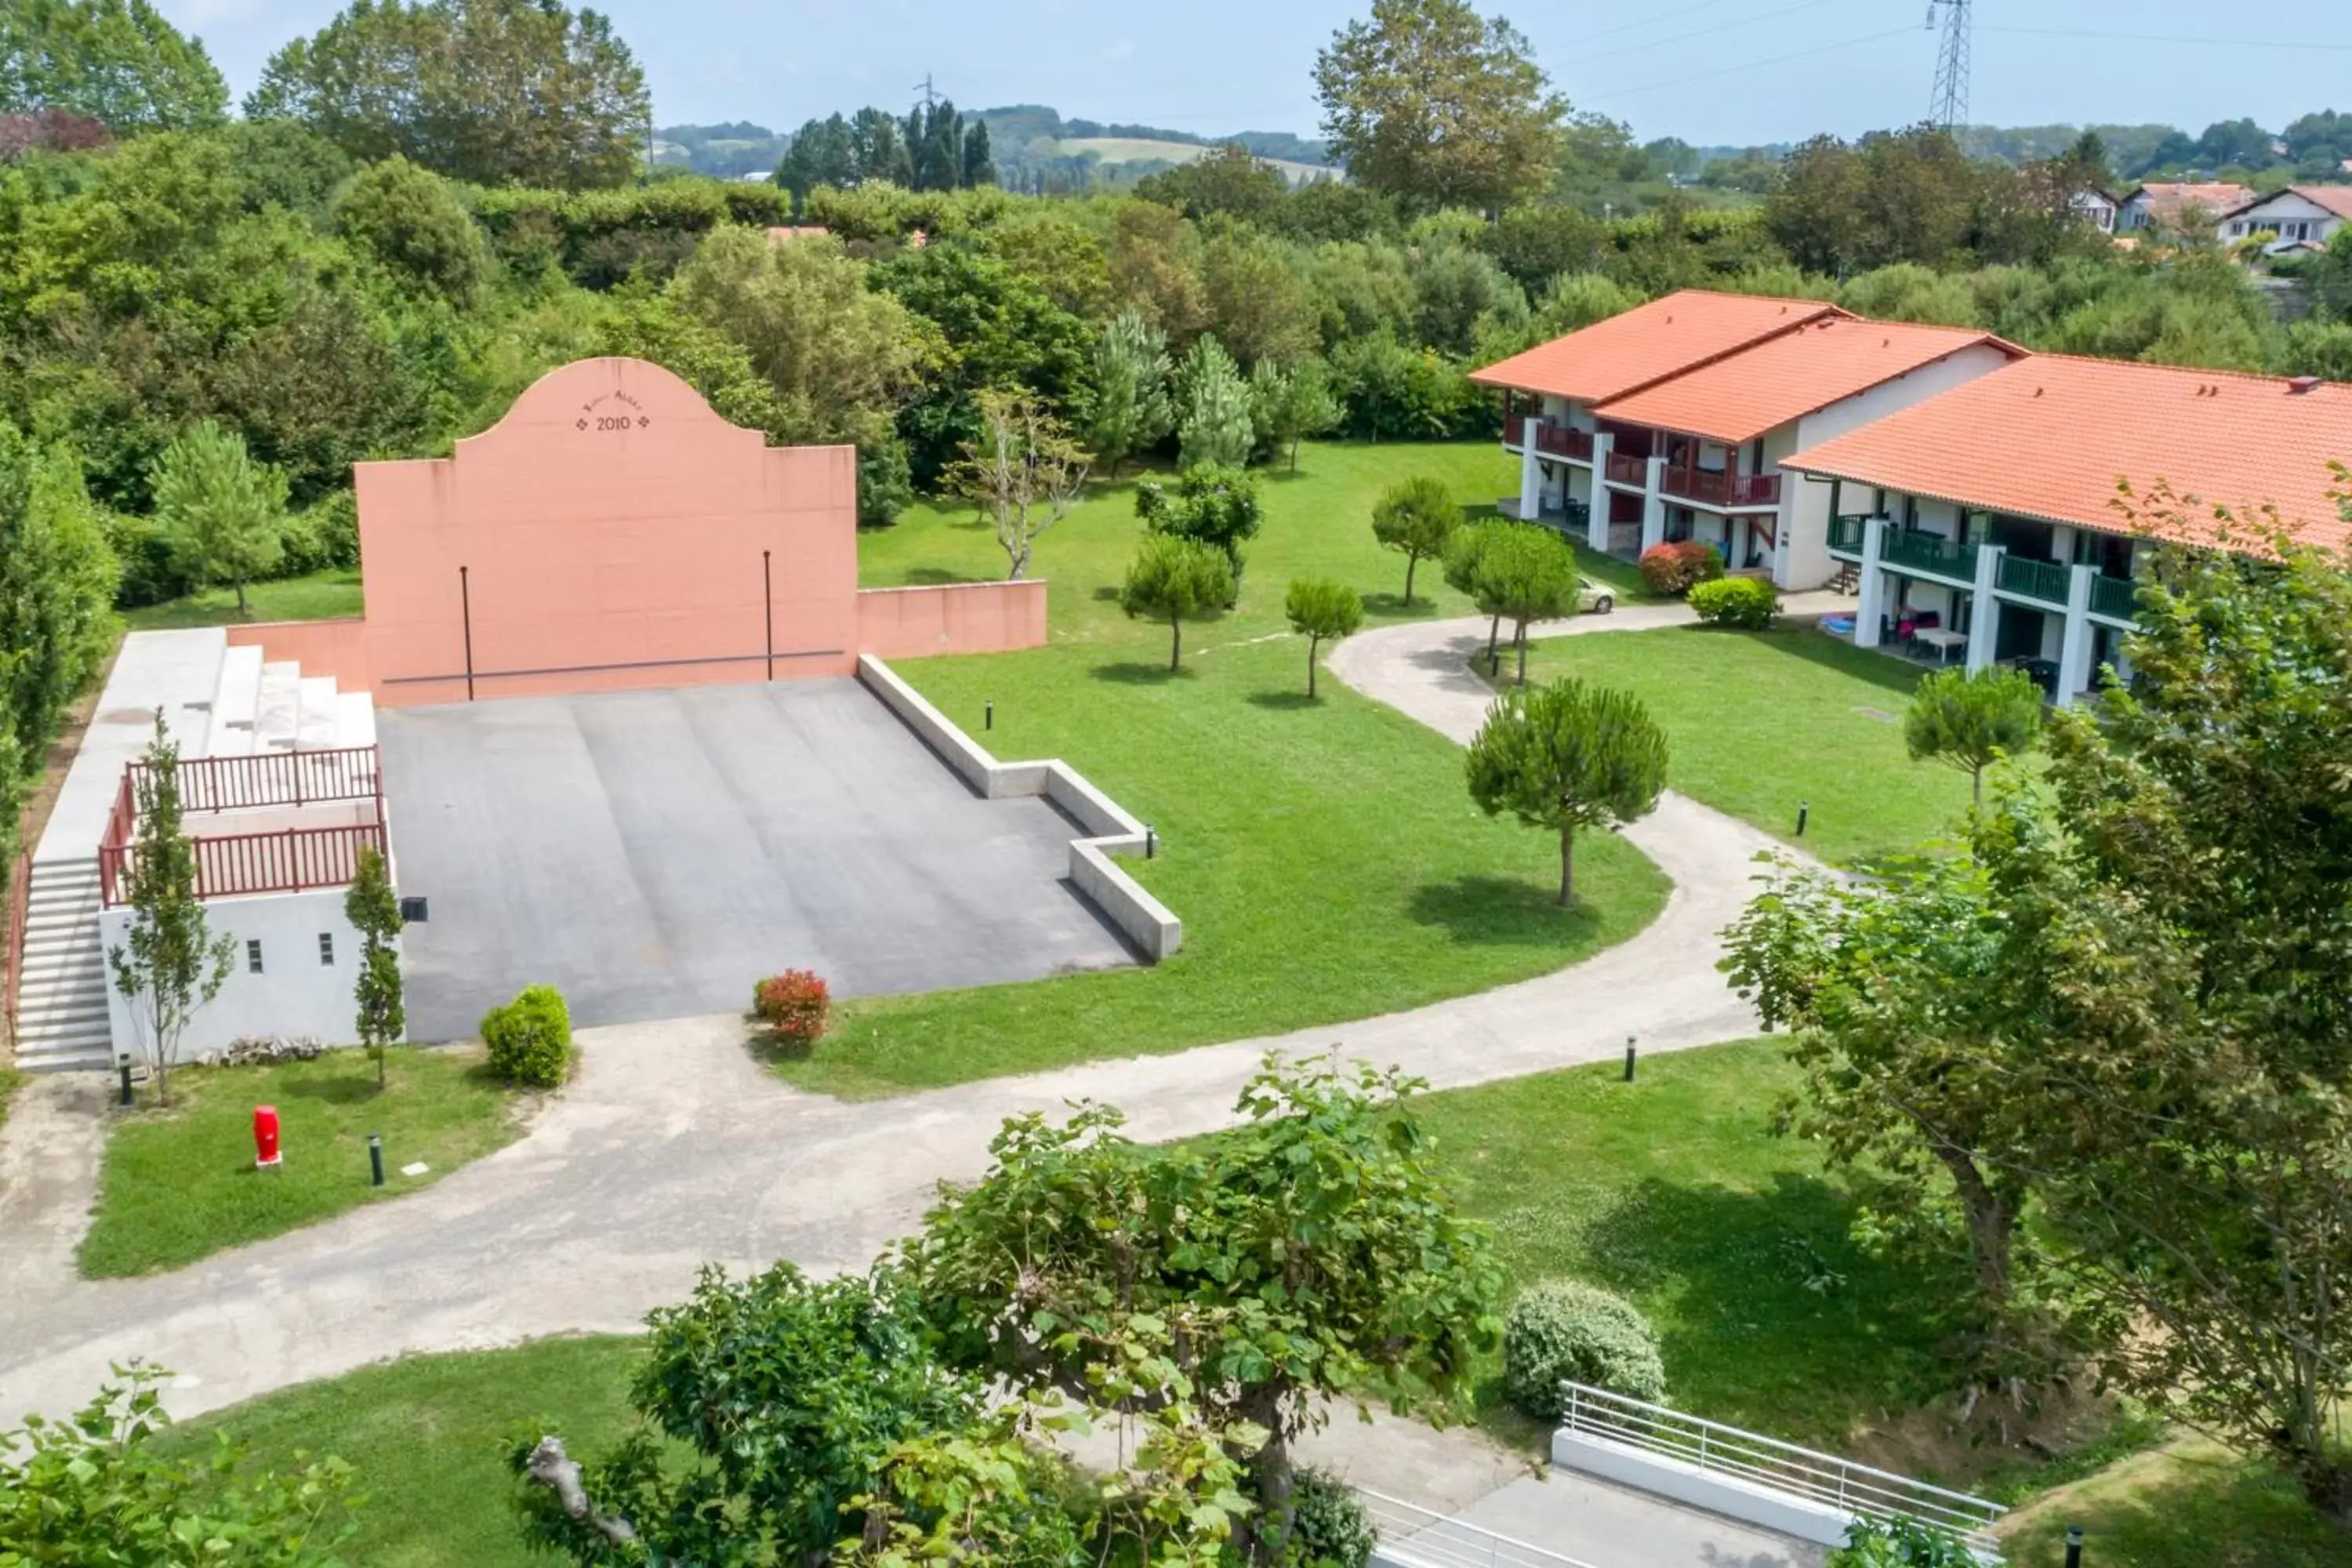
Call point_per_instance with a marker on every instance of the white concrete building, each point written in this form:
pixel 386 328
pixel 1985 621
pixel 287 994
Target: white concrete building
pixel 2298 215
pixel 1670 422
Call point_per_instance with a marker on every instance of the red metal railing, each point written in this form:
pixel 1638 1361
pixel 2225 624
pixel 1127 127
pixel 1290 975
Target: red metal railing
pixel 1626 468
pixel 12 944
pixel 1561 441
pixel 1716 488
pixel 284 860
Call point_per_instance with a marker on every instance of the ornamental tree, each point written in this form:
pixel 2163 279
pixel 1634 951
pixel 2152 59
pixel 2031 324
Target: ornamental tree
pixel 1213 422
pixel 1569 756
pixel 1970 720
pixel 1463 553
pixel 222 511
pixel 1175 580
pixel 1415 518
pixel 1129 410
pixel 1322 610
pixel 1288 406
pixel 374 913
pixel 1218 506
pixel 1524 574
pixel 1313 1253
pixel 1025 471
pixel 168 965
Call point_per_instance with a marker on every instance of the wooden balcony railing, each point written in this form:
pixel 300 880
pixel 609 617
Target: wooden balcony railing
pixel 282 860
pixel 1712 487
pixel 1626 468
pixel 2043 582
pixel 1563 441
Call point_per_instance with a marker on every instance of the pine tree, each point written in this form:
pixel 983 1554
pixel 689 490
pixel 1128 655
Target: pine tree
pixel 1214 426
pixel 979 165
pixel 1131 408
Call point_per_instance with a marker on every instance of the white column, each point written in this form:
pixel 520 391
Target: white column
pixel 2074 646
pixel 1873 585
pixel 1984 614
pixel 1653 506
pixel 1530 473
pixel 1596 526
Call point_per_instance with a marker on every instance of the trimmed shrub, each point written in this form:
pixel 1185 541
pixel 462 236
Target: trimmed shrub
pixel 530 1038
pixel 1674 567
pixel 1329 1527
pixel 1747 603
pixel 1562 1330
pixel 794 1005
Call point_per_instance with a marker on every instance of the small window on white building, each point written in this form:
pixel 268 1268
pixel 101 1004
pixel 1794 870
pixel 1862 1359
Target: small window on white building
pixel 326 948
pixel 253 956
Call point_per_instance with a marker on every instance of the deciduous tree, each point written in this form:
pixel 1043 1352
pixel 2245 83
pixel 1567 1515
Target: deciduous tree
pixel 373 911
pixel 1416 518
pixel 169 966
pixel 1970 719
pixel 1026 473
pixel 1569 756
pixel 223 511
pixel 1175 580
pixel 1288 406
pixel 120 62
pixel 1429 99
pixel 1525 573
pixel 1322 610
pixel 409 219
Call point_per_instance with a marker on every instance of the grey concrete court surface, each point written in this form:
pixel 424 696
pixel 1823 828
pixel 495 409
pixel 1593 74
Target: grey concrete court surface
pixel 651 854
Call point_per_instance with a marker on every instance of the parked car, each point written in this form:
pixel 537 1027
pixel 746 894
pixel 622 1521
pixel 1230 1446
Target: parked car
pixel 1592 599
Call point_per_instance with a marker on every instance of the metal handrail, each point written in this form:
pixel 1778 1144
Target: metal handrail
pixel 1847 534
pixel 2046 582
pixel 1929 552
pixel 281 860
pixel 1767 1462
pixel 1427 1538
pixel 2117 598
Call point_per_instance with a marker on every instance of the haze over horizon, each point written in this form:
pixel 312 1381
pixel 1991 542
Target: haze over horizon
pixel 1741 72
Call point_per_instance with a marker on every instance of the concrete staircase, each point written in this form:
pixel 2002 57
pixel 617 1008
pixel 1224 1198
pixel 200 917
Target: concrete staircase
pixel 257 706
pixel 61 1021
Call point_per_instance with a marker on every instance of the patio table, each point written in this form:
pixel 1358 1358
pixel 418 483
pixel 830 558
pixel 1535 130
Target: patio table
pixel 1942 639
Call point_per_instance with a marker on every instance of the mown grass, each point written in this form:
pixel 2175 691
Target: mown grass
pixel 179 1185
pixel 315 596
pixel 1763 725
pixel 2189 1504
pixel 1325 857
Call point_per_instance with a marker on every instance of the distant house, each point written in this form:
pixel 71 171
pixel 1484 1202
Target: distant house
pixel 2168 206
pixel 2096 208
pixel 1669 422
pixel 2298 215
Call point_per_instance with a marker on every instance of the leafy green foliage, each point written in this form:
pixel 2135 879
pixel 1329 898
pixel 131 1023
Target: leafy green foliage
pixel 1313 1251
pixel 222 511
pixel 1322 610
pixel 1176 580
pixel 492 91
pixel 1971 720
pixel 168 965
pixel 1129 411
pixel 409 219
pixel 1416 518
pixel 1329 1524
pixel 1900 1543
pixel 1568 756
pixel 1523 573
pixel 94 1491
pixel 1288 406
pixel 1218 506
pixel 120 62
pixel 373 911
pixel 530 1038
pixel 1213 425
pixel 1564 1331
pixel 1745 604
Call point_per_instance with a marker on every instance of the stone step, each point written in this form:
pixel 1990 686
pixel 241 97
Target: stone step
pixel 81 1053
pixel 278 718
pixel 316 728
pixel 236 704
pixel 355 719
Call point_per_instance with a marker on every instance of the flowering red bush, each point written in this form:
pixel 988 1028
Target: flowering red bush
pixel 795 1005
pixel 1674 568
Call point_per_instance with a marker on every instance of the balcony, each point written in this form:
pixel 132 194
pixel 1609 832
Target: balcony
pixel 2043 582
pixel 1712 486
pixel 1627 468
pixel 2114 598
pixel 1847 534
pixel 1930 555
pixel 1562 441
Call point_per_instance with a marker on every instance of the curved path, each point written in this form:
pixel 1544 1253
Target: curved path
pixel 673 1148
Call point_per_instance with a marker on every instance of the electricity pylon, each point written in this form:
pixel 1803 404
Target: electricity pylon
pixel 1948 108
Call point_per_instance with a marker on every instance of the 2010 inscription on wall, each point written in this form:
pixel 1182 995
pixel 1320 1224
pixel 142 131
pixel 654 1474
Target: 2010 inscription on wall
pixel 614 414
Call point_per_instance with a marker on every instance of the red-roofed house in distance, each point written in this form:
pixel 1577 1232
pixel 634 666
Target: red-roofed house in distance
pixel 2175 207
pixel 1989 515
pixel 1669 422
pixel 2298 215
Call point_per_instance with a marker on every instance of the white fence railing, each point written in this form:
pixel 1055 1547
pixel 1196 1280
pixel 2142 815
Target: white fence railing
pixel 1416 1537
pixel 1711 1446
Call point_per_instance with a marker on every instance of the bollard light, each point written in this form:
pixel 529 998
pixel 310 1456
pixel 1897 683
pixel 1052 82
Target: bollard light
pixel 376 1159
pixel 988 722
pixel 2073 1546
pixel 125 1063
pixel 1629 1059
pixel 1804 810
pixel 1151 843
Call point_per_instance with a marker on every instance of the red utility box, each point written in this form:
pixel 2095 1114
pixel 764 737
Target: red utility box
pixel 265 1136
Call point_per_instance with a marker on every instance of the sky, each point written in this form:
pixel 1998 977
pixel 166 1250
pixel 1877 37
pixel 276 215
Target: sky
pixel 1710 71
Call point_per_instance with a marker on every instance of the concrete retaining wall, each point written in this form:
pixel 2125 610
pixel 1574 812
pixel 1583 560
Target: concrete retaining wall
pixel 1709 1490
pixel 950 617
pixel 1148 922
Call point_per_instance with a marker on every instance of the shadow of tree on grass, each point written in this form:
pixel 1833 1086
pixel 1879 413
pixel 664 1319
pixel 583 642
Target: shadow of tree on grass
pixel 1489 911
pixel 1135 672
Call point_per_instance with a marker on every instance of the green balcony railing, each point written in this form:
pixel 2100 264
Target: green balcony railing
pixel 2044 581
pixel 2117 598
pixel 1930 554
pixel 1846 535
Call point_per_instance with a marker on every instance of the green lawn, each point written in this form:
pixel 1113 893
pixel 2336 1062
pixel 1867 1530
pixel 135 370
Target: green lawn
pixel 1761 723
pixel 2189 1504
pixel 429 1437
pixel 10 1080
pixel 319 596
pixel 179 1185
pixel 1325 857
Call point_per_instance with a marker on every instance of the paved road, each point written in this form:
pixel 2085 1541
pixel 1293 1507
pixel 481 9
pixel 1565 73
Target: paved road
pixel 673 1149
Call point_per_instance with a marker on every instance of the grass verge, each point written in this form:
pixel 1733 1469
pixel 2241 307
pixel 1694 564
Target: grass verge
pixel 2188 1504
pixel 1762 724
pixel 10 1080
pixel 315 596
pixel 179 1185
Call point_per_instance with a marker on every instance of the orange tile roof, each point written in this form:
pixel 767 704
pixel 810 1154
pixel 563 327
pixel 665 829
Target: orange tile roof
pixel 2165 203
pixel 2052 438
pixel 1610 358
pixel 1743 394
pixel 2337 199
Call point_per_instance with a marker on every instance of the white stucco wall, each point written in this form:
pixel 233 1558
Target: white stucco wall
pixel 1806 562
pixel 295 993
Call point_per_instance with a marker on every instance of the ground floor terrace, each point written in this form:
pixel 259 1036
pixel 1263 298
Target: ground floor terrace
pixel 1946 585
pixel 1622 491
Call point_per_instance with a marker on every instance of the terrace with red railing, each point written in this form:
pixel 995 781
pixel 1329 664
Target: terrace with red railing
pixel 1714 487
pixel 278 822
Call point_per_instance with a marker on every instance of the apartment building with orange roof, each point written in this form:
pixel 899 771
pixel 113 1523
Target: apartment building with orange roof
pixel 1669 422
pixel 1991 514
